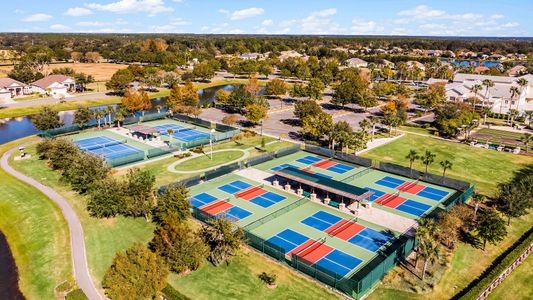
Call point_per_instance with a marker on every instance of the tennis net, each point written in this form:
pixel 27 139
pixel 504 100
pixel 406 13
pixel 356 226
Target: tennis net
pixel 104 145
pixel 182 129
pixel 342 227
pixel 390 198
pixel 305 251
pixel 249 191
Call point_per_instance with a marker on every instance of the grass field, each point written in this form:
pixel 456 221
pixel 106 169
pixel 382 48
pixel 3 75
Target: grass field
pixel 482 166
pixel 517 285
pixel 37 235
pixel 100 71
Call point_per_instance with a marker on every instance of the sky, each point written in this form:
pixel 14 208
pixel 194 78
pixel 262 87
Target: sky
pixel 345 17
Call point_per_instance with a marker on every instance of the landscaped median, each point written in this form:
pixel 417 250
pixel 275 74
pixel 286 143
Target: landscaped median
pixel 37 235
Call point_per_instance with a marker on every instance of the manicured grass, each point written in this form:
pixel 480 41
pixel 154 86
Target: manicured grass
pixel 518 284
pixel 419 130
pixel 239 280
pixel 37 235
pixel 484 167
pixel 103 237
pixel 205 161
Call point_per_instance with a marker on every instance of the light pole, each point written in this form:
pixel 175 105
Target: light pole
pixel 211 141
pixel 261 127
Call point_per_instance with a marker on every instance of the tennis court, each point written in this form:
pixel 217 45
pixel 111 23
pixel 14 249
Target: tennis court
pixel 394 201
pixel 107 147
pixel 181 133
pixel 253 194
pixel 325 164
pixel 413 188
pixel 217 207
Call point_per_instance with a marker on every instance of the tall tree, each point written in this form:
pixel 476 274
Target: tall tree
pixel 140 193
pixel 222 238
pixel 475 89
pixel 276 87
pixel 172 202
pixel 46 119
pixel 445 164
pixel 106 198
pixel 255 113
pixel 306 108
pixel 120 81
pixel 179 246
pixel 136 273
pixel 527 139
pixel 412 156
pixel 491 227
pixel 315 89
pixel 317 125
pixel 487 83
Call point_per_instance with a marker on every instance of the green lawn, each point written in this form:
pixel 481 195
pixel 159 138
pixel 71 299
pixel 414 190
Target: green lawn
pixel 518 284
pixel 482 166
pixel 205 161
pixel 37 234
pixel 103 237
pixel 238 280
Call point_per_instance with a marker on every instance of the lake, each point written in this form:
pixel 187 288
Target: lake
pixel 467 63
pixel 9 289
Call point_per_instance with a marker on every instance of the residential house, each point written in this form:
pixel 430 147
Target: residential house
pixel 498 97
pixel 497 57
pixel 413 63
pixel 516 71
pixel 251 55
pixel 11 88
pixel 286 54
pixel 356 63
pixel 481 69
pixel 56 85
pixel 385 63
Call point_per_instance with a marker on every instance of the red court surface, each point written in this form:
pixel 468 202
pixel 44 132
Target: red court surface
pixel 411 187
pixel 324 164
pixel 302 246
pixel 217 207
pixel 390 200
pixel 314 253
pixel 250 193
pixel 345 229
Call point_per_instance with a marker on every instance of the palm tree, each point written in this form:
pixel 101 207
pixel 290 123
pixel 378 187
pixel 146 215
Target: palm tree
pixel 365 125
pixel 425 233
pixel 431 253
pixel 485 111
pixel 478 199
pixel 428 159
pixel 373 123
pixel 119 117
pixel 514 92
pixel 526 139
pixel 513 113
pixel 98 114
pixel 170 132
pixel 475 88
pixel 412 156
pixel 110 111
pixel 445 164
pixel 522 82
pixel 487 83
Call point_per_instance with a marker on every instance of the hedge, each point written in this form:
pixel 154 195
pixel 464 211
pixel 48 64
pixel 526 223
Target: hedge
pixel 500 264
pixel 172 294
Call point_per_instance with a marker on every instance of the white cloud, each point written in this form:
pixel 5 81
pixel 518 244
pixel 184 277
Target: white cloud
pixel 179 22
pixel 510 25
pixel 422 12
pixel 242 13
pixel 319 22
pixel 78 12
pixel 152 7
pixel 18 11
pixel 366 27
pixel 59 27
pixel 236 31
pixel 496 17
pixel 92 24
pixel 37 18
pixel 267 22
pixel 325 13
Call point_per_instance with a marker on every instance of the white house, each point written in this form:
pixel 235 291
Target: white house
pixel 11 88
pixel 251 55
pixel 498 97
pixel 56 85
pixel 286 54
pixel 356 63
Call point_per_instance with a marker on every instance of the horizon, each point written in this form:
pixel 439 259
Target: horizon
pixel 412 18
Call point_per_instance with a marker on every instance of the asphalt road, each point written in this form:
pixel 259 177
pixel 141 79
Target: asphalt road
pixel 77 240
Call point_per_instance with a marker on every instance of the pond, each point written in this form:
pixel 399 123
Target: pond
pixel 9 289
pixel 19 127
pixel 475 63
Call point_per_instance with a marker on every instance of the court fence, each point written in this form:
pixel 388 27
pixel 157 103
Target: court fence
pixel 127 159
pixel 356 286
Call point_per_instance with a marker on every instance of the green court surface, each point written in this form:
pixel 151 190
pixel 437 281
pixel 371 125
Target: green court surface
pixel 109 133
pixel 364 178
pixel 211 188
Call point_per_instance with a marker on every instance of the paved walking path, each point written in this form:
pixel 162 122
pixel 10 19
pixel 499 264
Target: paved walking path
pixel 77 240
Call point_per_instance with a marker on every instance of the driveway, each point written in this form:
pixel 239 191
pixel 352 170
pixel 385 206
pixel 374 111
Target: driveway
pixel 77 240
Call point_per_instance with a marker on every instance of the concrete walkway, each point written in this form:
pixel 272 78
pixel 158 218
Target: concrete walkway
pixel 77 240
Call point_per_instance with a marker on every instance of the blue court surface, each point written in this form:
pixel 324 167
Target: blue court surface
pixel 390 182
pixel 413 207
pixel 321 220
pixel 234 187
pixel 236 213
pixel 377 194
pixel 107 147
pixel 339 262
pixel 267 199
pixel 432 193
pixel 284 166
pixel 181 132
pixel 370 239
pixel 323 175
pixel 340 168
pixel 287 240
pixel 202 199
pixel 308 160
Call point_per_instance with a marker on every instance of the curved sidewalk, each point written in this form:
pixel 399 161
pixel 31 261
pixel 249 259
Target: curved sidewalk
pixel 77 240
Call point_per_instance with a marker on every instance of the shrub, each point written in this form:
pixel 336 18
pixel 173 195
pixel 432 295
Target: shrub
pixel 268 278
pixel 172 294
